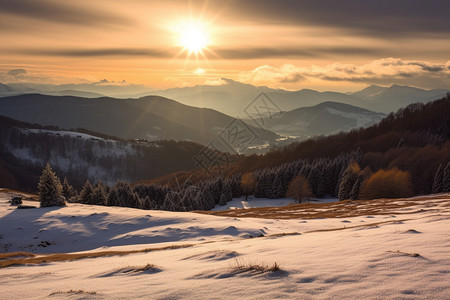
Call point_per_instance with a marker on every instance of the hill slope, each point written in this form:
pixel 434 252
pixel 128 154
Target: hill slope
pixel 26 148
pixel 405 247
pixel 152 117
pixel 322 119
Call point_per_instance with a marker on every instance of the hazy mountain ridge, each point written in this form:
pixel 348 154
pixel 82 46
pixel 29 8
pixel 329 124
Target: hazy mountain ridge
pixel 322 119
pixel 232 97
pixel 90 90
pixel 151 118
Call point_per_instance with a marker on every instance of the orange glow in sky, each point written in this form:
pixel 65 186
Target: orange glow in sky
pixel 288 44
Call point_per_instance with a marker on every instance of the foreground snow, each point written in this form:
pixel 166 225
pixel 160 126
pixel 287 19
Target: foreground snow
pixel 402 254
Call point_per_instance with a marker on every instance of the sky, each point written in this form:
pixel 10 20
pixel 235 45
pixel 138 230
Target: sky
pixel 341 45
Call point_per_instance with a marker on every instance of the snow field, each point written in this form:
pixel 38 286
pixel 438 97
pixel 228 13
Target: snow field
pixel 403 254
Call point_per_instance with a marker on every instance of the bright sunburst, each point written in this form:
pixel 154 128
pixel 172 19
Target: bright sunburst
pixel 193 37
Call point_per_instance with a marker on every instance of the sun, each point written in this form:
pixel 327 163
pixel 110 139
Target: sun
pixel 193 37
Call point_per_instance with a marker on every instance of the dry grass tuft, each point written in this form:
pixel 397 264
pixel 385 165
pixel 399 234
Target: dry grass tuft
pixel 137 269
pixel 73 292
pixel 405 253
pixel 240 267
pixel 33 259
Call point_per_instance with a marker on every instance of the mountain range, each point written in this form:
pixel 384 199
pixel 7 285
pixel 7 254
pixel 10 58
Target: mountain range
pixel 232 97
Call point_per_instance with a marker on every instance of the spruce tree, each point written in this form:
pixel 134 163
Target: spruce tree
pixel 67 190
pixel 113 198
pixel 223 200
pixel 87 194
pixel 50 189
pixel 354 193
pixel 438 180
pixel 348 179
pixel 98 194
pixel 226 191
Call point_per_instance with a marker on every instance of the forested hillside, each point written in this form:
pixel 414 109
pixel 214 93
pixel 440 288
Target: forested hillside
pixel 26 148
pixel 415 139
pixel 406 154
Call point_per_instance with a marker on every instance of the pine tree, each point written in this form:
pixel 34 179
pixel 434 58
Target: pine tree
pixel 446 179
pixel 349 178
pixel 87 194
pixel 113 198
pixel 67 190
pixel 99 195
pixel 277 188
pixel 354 193
pixel 226 191
pixel 260 186
pixel 223 200
pixel 438 180
pixel 50 188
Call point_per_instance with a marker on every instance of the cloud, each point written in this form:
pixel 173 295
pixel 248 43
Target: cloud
pixel 17 72
pixel 130 52
pixel 386 70
pixel 217 53
pixel 64 12
pixel 215 82
pixel 381 18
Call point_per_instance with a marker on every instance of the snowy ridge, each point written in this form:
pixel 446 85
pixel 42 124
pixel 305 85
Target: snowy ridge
pixel 399 252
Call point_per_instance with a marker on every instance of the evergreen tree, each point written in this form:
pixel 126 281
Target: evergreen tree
pixel 260 186
pixel 277 188
pixel 446 179
pixel 99 195
pixel 348 179
pixel 438 180
pixel 67 190
pixel 113 198
pixel 50 188
pixel 87 194
pixel 223 200
pixel 207 198
pixel 354 193
pixel 226 191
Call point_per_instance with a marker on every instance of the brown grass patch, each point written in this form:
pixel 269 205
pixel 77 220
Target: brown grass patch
pixel 283 234
pixel 34 259
pixel 73 292
pixel 341 209
pixel 25 196
pixel 16 255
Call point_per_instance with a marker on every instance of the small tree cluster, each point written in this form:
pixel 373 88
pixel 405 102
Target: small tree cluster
pixel 392 183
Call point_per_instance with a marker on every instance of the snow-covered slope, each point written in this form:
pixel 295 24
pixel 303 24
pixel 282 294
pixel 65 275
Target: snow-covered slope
pixel 382 249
